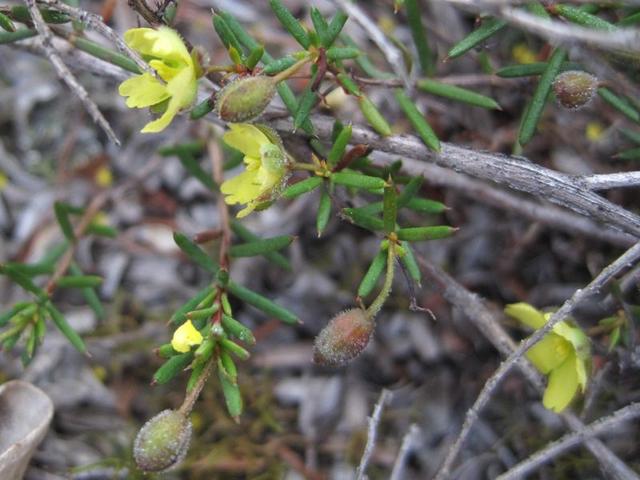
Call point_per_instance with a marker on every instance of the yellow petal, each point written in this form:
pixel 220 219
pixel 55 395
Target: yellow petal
pixel 165 71
pixel 185 337
pixel 143 91
pixel 576 337
pixel 163 43
pixel 562 387
pixel 180 98
pixel 549 353
pixel 242 188
pixel 525 313
pixel 246 138
pixel 246 210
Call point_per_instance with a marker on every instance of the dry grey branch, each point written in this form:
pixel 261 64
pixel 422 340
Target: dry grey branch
pixel 628 259
pixel 372 430
pixel 560 446
pixel 475 310
pixel 64 73
pixel 408 444
pixel 607 181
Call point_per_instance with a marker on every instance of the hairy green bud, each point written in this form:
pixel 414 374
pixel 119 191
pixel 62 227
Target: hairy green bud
pixel 343 339
pixel 575 89
pixel 245 99
pixel 162 442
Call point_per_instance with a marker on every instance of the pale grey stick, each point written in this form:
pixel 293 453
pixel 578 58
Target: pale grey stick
pixel 628 259
pixel 603 425
pixel 95 22
pixel 372 432
pixel 475 310
pixel 64 73
pixel 514 172
pixel 408 444
pixel 605 181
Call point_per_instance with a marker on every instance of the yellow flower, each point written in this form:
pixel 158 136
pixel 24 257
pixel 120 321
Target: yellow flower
pixel 265 161
pixel 563 355
pixel 169 57
pixel 185 337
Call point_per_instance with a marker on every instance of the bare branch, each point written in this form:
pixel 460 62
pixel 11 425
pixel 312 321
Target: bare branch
pixel 560 446
pixel 627 260
pixel 64 73
pixel 374 420
pixel 611 180
pixel 408 444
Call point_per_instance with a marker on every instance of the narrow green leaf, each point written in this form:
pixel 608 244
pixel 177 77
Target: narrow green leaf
pixel 180 315
pixel 166 351
pixel 358 180
pixel 237 330
pixel 20 13
pixel 321 26
pixel 202 109
pixel 229 366
pixel 373 274
pixel 531 69
pixel 254 57
pixel 390 208
pixel 373 116
pixel 307 102
pixel 89 294
pixel 630 154
pixel 619 103
pixel 410 263
pixel 31 269
pixel 342 53
pixel 348 84
pixel 629 20
pixel 196 372
pixel 205 350
pixel 6 23
pixel 194 252
pixel 324 212
pixel 203 313
pixel 227 36
pixel 458 94
pixel 489 27
pixel 631 135
pixel 232 396
pixel 17 308
pixel 62 215
pixel 425 55
pixel 410 190
pixel 61 323
pixel 234 348
pixel 364 220
pixel 290 23
pixel 418 121
pixel 262 303
pixel 261 246
pixel 102 230
pixel 104 53
pixel 23 280
pixel 79 281
pixel 302 187
pixel 335 27
pixel 248 236
pixel 187 148
pixel 580 17
pixel 535 107
pixel 416 234
pixel 172 367
pixel 424 205
pixel 339 146
pixel 20 34
pixel 192 166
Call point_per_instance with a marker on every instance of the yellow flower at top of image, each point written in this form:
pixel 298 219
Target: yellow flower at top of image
pixel 185 337
pixel 168 56
pixel 564 355
pixel 265 166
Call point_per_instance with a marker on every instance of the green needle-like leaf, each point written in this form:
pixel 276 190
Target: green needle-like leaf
pixel 261 246
pixel 489 27
pixel 194 252
pixel 262 303
pixel 458 94
pixel 418 121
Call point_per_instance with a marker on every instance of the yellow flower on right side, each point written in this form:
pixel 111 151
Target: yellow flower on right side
pixel 564 355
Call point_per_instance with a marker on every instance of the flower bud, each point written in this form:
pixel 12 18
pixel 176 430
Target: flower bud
pixel 162 442
pixel 343 339
pixel 245 99
pixel 574 89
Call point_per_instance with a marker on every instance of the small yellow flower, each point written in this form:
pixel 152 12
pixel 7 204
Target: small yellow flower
pixel 169 57
pixel 265 161
pixel 523 54
pixel 185 337
pixel 563 355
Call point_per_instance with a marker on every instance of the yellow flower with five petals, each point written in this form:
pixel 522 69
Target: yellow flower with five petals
pixel 564 355
pixel 185 337
pixel 168 56
pixel 266 166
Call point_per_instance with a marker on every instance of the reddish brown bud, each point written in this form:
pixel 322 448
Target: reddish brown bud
pixel 343 339
pixel 575 89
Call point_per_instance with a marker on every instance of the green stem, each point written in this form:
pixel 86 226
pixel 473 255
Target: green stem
pixel 375 307
pixel 292 70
